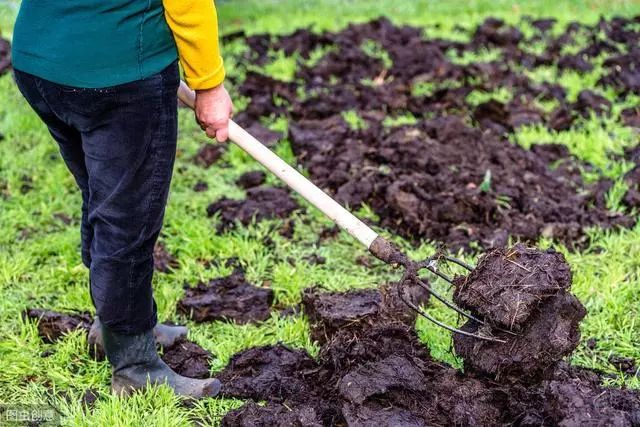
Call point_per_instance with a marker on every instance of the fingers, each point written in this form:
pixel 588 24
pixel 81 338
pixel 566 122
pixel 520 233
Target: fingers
pixel 218 129
pixel 220 134
pixel 213 110
pixel 223 134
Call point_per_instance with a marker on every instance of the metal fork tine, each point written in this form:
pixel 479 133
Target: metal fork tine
pixel 459 262
pixel 439 274
pixel 455 307
pixel 447 303
pixel 444 325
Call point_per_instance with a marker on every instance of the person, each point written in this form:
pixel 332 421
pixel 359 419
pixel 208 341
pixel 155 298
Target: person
pixel 103 77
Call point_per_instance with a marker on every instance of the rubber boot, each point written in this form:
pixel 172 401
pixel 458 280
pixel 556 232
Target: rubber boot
pixel 135 364
pixel 166 335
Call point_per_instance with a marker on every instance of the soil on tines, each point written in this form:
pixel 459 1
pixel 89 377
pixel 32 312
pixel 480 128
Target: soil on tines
pixel 53 325
pixel 230 298
pixel 456 178
pixel 188 359
pixel 507 285
pixel 526 291
pixel 373 370
pixel 260 203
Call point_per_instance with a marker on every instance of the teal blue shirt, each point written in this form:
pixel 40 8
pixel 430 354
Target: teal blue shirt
pixel 92 43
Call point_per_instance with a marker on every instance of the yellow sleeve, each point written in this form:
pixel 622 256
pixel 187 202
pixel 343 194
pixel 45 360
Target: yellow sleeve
pixel 194 24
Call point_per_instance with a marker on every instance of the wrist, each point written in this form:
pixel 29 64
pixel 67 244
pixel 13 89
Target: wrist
pixel 210 90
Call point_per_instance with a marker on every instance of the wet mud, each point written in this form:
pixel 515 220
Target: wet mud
pixel 188 359
pixel 208 154
pixel 53 325
pixel 163 260
pixel 456 178
pixel 227 298
pixel 251 179
pixel 260 203
pixel 373 370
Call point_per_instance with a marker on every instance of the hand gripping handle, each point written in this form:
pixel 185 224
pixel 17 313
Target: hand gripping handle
pixel 296 181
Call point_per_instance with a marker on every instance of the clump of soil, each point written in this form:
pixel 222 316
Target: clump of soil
pixel 632 179
pixel 5 55
pixel 208 154
pixel 508 284
pixel 271 414
pixel 260 203
pixel 456 179
pixel 200 186
pixel 273 372
pixel 230 298
pixel 550 333
pixel 445 181
pixel 251 179
pixel 53 325
pixel 188 359
pixel 526 291
pixel 373 370
pixel 624 364
pixel 163 261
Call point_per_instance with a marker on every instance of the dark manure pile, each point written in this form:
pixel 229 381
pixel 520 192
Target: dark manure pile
pixel 372 369
pixel 455 178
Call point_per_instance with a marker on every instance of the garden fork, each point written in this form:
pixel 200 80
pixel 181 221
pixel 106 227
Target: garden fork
pixel 376 244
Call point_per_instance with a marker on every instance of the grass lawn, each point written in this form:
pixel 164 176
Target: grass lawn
pixel 40 263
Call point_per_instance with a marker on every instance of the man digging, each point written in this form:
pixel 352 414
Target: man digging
pixel 103 79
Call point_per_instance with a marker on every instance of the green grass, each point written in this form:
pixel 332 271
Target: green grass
pixel 40 264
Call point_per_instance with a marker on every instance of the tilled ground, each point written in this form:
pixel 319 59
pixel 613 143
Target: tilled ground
pixel 455 178
pixel 372 370
pixel 230 298
pixel 5 55
pixel 260 203
pixel 184 356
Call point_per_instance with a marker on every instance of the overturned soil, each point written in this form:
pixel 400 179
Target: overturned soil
pixel 208 154
pixel 508 284
pixel 523 290
pixel 454 175
pixel 188 359
pixel 53 325
pixel 251 179
pixel 185 357
pixel 227 298
pixel 632 179
pixel 163 260
pixel 5 55
pixel 373 370
pixel 260 203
